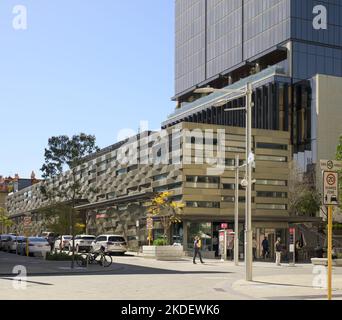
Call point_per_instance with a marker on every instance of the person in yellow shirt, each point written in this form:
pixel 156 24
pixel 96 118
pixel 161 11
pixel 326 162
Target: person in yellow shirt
pixel 197 249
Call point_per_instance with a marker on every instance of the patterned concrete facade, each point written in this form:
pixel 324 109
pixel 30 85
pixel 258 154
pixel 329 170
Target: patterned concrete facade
pixel 193 161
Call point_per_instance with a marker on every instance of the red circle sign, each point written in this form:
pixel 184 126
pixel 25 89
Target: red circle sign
pixel 331 180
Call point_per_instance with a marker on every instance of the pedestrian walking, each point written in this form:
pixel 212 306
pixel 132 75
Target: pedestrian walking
pixel 265 248
pixel 278 249
pixel 197 249
pixel 255 245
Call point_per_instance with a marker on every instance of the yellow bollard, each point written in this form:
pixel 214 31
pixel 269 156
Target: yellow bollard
pixel 330 252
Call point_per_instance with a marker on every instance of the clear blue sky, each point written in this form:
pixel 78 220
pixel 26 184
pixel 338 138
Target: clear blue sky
pixel 93 66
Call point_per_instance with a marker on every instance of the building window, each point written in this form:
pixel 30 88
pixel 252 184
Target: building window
pixel 231 186
pixel 272 182
pixel 269 206
pixel 168 187
pixel 202 204
pixel 121 171
pixel 275 146
pixel 270 158
pixel 160 177
pixel 203 179
pixel 232 199
pixel 271 194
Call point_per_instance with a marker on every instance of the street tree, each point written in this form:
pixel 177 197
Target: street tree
pixel 304 199
pixel 63 157
pixel 166 210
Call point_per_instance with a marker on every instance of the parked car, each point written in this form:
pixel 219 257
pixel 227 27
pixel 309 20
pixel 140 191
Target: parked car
pixel 36 246
pixel 82 243
pixel 12 243
pixel 62 242
pixel 3 239
pixel 110 243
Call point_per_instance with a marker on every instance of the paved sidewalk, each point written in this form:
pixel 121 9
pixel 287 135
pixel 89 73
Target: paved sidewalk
pixel 36 266
pixel 137 278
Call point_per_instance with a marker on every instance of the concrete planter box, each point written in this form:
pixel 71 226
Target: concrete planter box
pixel 324 262
pixel 166 253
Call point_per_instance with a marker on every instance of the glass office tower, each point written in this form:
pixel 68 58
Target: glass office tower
pixel 220 41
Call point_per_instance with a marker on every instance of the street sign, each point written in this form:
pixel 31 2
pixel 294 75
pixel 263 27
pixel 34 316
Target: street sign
pixel 331 165
pixel 27 221
pixel 330 188
pixel 149 223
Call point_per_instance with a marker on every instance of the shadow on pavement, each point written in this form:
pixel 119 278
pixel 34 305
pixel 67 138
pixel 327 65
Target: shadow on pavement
pixel 115 269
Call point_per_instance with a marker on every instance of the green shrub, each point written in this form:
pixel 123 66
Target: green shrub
pixel 61 256
pixel 160 242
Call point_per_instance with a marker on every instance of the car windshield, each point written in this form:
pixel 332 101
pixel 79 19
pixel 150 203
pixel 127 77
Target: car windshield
pixel 88 238
pixel 67 237
pixel 116 239
pixel 37 240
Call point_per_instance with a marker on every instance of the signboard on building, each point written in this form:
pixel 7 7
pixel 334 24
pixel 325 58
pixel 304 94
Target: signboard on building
pixel 101 216
pixel 330 188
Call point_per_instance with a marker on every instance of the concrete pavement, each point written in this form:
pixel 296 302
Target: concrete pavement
pixel 136 278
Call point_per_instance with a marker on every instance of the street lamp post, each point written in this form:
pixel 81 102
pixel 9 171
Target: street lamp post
pixel 250 160
pixel 247 93
pixel 236 212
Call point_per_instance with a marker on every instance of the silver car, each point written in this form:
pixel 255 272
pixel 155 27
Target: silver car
pixel 110 244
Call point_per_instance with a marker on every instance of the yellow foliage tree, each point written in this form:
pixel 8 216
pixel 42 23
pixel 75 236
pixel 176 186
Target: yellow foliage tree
pixel 166 210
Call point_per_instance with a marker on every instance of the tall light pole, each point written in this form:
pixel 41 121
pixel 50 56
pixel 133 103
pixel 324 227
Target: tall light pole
pixel 250 160
pixel 236 212
pixel 247 93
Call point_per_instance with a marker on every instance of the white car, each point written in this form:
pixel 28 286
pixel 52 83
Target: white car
pixel 35 246
pixel 12 243
pixel 63 242
pixel 82 242
pixel 110 243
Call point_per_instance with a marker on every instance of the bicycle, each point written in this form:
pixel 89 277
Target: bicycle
pixel 101 258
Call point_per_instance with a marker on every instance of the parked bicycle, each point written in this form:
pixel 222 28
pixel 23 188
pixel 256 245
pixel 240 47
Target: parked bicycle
pixel 98 257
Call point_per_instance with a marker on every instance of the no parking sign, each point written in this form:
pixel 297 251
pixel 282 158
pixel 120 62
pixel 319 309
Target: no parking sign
pixel 330 188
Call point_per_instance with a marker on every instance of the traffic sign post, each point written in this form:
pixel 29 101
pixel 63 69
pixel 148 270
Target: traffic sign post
pixel 27 225
pixel 149 226
pixel 330 199
pixel 293 243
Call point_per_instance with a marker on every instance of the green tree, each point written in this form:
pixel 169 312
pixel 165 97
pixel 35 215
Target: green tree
pixel 5 221
pixel 304 199
pixel 63 157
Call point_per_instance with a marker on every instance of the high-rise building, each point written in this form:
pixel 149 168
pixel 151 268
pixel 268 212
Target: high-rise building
pixel 219 41
pixel 290 50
